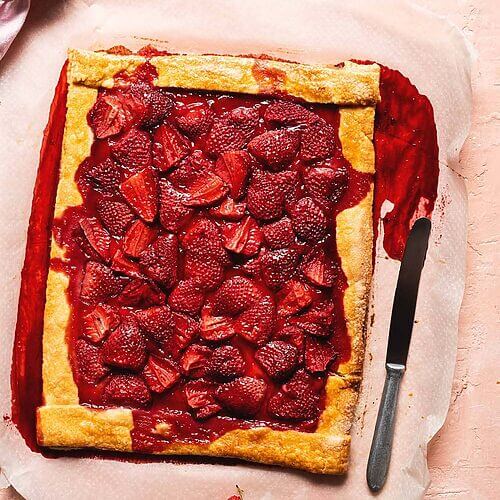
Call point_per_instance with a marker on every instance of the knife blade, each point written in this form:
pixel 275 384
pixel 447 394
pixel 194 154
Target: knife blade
pixel 405 297
pixel 402 318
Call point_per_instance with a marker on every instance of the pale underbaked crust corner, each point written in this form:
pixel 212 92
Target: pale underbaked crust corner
pixel 62 421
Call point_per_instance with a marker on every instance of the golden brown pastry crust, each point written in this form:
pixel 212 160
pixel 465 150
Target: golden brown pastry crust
pixel 62 422
pixel 352 84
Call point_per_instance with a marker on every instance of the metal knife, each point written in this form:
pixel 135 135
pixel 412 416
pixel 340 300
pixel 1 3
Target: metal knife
pixel 403 314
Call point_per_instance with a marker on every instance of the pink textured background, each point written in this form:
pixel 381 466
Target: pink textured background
pixel 464 457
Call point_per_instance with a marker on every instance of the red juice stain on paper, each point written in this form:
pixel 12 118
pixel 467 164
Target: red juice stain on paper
pixel 26 375
pixel 407 165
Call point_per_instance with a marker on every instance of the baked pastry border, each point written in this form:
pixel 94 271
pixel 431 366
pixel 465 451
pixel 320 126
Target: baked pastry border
pixel 61 421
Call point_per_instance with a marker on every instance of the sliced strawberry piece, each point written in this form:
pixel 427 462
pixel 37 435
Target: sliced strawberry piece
pixel 319 354
pixel 97 324
pixel 169 147
pixel 97 236
pixel 205 255
pixel 157 322
pixel 265 199
pixel 293 335
pixel 279 359
pixel 173 212
pixel 121 264
pixel 225 363
pixel 288 113
pixel 203 239
pixel 141 192
pixel 107 116
pixel 194 119
pixel 243 396
pixel 278 266
pixel 235 296
pixel 252 267
pixel 294 297
pixel 139 293
pixel 311 328
pixel 229 210
pixel 256 323
pixel 127 390
pixel 104 176
pixel 304 406
pixel 99 283
pixel 318 319
pixel 267 193
pixel 160 374
pixel 287 181
pixel 215 328
pixel 302 381
pixel 194 360
pixel 159 107
pixel 318 141
pixel 322 312
pixel 308 220
pixel 115 215
pixel 206 190
pixel 200 397
pixel 157 102
pixel 279 234
pixel 207 272
pixel 89 362
pixel 112 113
pixel 159 260
pixel 73 233
pixel 186 329
pixel 327 182
pixel 232 131
pixel 186 297
pixel 190 169
pixel 319 268
pixel 275 148
pixel 243 237
pixel 233 168
pixel 137 238
pixel 133 150
pixel 125 347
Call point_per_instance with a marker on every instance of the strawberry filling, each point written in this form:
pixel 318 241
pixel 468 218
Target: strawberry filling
pixel 203 263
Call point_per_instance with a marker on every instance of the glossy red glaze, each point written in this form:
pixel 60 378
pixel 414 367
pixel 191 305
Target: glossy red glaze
pixel 407 159
pixel 394 122
pixel 26 377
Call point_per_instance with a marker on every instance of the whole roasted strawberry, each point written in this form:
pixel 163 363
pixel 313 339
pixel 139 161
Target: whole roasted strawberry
pixel 243 396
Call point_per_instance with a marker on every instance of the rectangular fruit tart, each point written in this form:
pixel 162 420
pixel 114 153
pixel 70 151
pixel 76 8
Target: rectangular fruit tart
pixel 210 256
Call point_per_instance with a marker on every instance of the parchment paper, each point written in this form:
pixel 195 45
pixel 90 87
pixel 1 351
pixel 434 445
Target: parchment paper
pixel 427 49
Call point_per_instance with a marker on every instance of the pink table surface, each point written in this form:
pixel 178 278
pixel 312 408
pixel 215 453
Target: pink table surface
pixel 464 457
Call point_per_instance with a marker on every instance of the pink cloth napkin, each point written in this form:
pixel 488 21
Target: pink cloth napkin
pixel 12 16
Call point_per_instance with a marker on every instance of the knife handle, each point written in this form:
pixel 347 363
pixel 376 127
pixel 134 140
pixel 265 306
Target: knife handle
pixel 380 452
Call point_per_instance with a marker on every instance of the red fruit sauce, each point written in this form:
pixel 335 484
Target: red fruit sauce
pixel 407 166
pixel 407 173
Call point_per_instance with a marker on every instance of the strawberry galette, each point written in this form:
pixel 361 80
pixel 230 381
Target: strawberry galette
pixel 211 257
